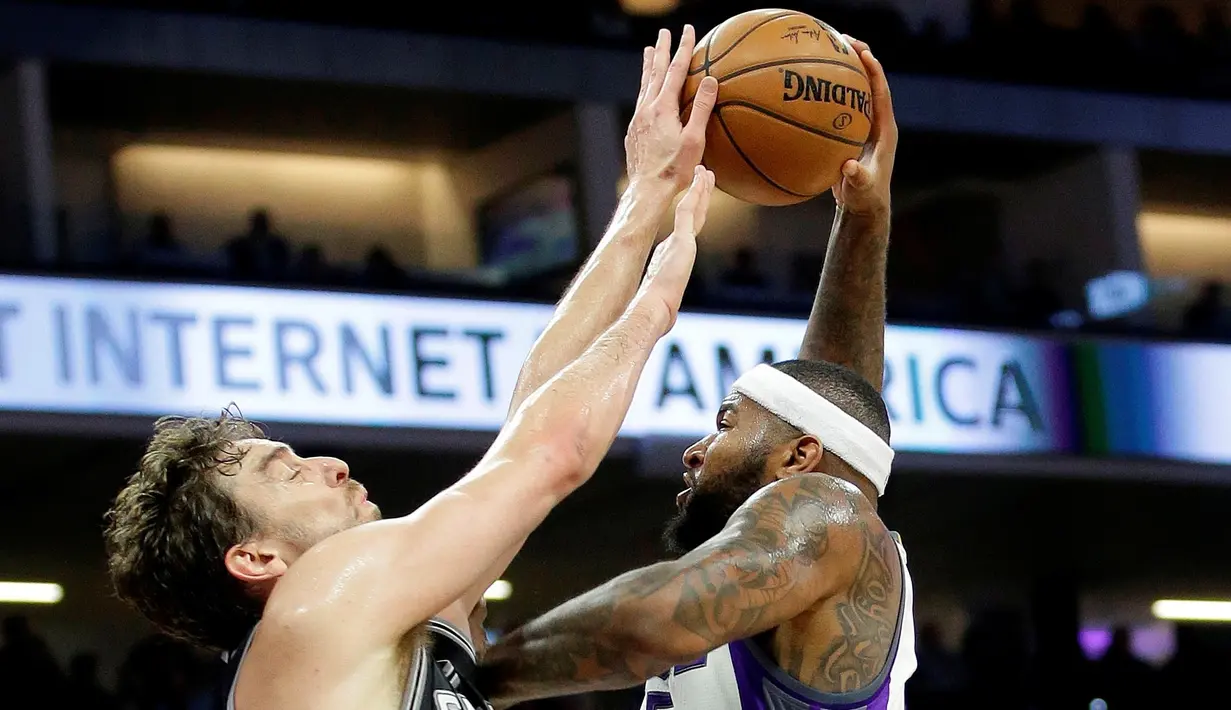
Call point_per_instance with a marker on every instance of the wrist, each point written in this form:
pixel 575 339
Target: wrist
pixel 651 191
pixel 875 220
pixel 639 214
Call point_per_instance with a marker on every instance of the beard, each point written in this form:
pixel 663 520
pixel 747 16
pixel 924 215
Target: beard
pixel 304 534
pixel 707 510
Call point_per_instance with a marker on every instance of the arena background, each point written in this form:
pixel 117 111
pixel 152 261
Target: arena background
pixel 1058 357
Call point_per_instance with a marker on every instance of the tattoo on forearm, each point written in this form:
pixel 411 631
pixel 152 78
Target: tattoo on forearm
pixel 728 589
pixel 568 650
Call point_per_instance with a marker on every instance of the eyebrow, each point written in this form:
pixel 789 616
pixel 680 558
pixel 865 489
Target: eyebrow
pixel 273 453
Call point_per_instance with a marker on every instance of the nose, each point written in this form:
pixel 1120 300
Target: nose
pixel 335 471
pixel 694 456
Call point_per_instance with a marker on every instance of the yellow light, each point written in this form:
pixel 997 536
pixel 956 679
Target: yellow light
pixel 1185 245
pixel 326 199
pixel 1192 610
pixel 648 8
pixel 30 593
pixel 499 591
pixel 303 168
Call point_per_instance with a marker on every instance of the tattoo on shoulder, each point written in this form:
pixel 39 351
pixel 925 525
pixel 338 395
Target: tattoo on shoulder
pixel 866 618
pixel 784 527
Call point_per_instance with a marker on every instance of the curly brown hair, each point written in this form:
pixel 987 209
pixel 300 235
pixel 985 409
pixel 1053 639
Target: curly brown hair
pixel 171 525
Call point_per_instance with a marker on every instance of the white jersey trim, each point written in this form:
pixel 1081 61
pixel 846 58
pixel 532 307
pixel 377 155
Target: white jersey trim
pixel 416 680
pixel 450 631
pixel 226 656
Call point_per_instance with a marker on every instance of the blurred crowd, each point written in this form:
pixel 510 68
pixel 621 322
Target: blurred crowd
pixel 939 274
pixel 999 665
pixel 994 668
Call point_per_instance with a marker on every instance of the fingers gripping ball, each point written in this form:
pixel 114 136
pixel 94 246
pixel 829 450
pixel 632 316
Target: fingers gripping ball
pixel 793 105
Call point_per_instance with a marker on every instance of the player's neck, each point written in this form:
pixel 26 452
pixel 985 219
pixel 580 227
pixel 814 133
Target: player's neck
pixel 864 485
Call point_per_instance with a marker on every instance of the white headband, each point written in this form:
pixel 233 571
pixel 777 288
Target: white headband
pixel 840 433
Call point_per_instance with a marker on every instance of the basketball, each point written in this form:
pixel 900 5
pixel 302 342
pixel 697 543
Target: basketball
pixel 794 104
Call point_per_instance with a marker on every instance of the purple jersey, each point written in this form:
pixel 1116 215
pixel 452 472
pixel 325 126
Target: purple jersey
pixel 741 676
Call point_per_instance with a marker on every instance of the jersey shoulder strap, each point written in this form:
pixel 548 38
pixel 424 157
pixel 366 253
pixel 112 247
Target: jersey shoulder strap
pixel 234 659
pixel 456 661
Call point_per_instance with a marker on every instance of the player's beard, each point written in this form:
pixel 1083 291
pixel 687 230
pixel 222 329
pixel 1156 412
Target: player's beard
pixel 304 534
pixel 708 509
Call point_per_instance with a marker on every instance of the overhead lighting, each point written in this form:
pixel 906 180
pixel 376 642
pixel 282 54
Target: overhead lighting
pixel 649 8
pixel 30 593
pixel 1192 610
pixel 1185 245
pixel 499 591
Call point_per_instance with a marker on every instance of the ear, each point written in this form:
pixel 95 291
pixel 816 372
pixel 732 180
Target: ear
pixel 256 561
pixel 803 455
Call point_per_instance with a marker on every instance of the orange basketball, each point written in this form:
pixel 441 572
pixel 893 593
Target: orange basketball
pixel 794 104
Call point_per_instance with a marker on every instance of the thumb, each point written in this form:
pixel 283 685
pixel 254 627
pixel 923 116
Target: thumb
pixel 670 270
pixel 685 211
pixel 856 175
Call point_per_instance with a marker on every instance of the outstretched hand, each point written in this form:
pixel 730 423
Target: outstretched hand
pixel 660 148
pixel 864 187
pixel 671 265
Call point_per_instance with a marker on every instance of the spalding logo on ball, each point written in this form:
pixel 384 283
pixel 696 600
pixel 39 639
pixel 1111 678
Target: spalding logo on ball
pixel 794 104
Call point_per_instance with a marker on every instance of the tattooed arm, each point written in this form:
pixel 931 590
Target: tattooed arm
pixel 781 552
pixel 847 324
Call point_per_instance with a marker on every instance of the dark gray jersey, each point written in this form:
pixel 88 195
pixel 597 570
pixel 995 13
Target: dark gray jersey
pixel 441 675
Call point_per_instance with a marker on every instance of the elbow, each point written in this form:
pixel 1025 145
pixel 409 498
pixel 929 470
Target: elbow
pixel 552 442
pixel 559 462
pixel 660 651
pixel 647 637
pixel 565 463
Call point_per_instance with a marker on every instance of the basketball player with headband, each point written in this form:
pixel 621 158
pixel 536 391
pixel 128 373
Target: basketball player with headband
pixel 788 591
pixel 234 542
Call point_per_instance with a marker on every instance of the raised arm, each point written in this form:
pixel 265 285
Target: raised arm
pixel 661 155
pixel 779 553
pixel 363 589
pixel 847 324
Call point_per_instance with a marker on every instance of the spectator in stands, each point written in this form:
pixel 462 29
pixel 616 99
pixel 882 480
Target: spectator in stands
pixel 941 676
pixel 382 272
pixel 26 662
pixel 161 253
pixel 1207 317
pixel 85 692
pixel 312 269
pixel 744 272
pixel 1102 46
pixel 1038 299
pixel 259 255
pixel 163 674
pixel 997 657
pixel 1215 36
pixel 161 237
